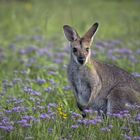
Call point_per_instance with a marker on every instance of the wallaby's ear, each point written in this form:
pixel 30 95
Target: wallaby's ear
pixel 70 33
pixel 90 33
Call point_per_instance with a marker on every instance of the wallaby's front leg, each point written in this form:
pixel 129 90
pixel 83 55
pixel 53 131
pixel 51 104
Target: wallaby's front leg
pixel 82 110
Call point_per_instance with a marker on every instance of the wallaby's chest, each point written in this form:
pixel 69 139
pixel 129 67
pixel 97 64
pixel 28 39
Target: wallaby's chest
pixel 82 87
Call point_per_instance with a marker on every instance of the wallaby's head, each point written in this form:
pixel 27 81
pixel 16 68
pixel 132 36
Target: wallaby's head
pixel 80 46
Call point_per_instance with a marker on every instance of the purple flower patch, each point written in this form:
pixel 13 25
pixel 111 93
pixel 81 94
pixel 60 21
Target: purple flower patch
pixel 74 126
pixel 75 115
pixel 138 117
pixel 30 91
pixel 44 116
pixel 8 128
pixel 40 81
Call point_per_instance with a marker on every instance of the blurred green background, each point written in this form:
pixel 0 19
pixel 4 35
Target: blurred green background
pixel 118 18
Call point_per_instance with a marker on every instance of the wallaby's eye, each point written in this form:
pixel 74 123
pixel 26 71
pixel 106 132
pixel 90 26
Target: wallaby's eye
pixel 74 50
pixel 87 49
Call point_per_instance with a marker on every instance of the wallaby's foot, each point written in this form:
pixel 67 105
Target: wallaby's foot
pixel 84 114
pixel 82 110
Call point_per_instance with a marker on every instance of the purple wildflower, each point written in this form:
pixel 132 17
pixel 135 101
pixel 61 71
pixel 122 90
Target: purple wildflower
pixel 135 74
pixel 44 51
pixel 138 117
pixel 19 109
pixel 23 121
pixel 32 99
pixel 133 59
pixel 117 115
pixel 84 122
pixel 90 122
pixel 3 127
pixel 138 51
pixel 6 121
pixel 52 105
pixel 66 88
pixel 127 137
pixel 8 128
pixel 16 81
pixel 52 81
pixel 36 93
pixel 126 129
pixel 7 84
pixel 24 72
pixel 44 116
pixel 40 107
pixel 75 115
pixel 14 100
pixel 41 81
pixel 58 60
pixel 98 119
pixel 8 111
pixel 49 89
pixel 93 122
pixel 29 90
pixel 52 73
pixel 28 118
pixel 106 129
pixel 26 125
pixel 74 126
pixel 50 130
pixel 28 50
pixel 110 126
pixel 136 138
pixel 36 120
pixel 88 111
pixel 111 56
pixel 125 51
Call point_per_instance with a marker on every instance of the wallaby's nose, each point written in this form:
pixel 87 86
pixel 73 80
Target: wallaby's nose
pixel 81 60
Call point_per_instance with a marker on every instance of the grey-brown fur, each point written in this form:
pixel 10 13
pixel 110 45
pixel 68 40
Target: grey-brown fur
pixel 96 85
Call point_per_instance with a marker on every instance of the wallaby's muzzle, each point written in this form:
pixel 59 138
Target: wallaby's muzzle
pixel 81 60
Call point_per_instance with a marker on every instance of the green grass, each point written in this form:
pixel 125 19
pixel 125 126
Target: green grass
pixel 32 47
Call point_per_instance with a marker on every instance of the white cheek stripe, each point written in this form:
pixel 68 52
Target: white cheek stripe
pixel 75 58
pixel 88 56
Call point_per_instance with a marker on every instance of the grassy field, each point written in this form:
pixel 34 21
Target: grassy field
pixel 36 101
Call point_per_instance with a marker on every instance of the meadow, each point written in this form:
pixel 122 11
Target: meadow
pixel 36 101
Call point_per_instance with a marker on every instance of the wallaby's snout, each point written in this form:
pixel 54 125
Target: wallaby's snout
pixel 80 55
pixel 81 60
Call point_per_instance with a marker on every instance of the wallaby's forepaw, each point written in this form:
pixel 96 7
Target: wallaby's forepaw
pixel 84 114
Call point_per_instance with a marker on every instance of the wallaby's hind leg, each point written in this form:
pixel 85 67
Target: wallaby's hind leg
pixel 116 101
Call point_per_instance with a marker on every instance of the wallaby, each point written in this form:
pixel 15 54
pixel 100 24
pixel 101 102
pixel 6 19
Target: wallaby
pixel 98 86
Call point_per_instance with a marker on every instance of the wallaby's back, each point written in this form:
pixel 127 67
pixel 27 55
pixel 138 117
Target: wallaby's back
pixel 115 77
pixel 111 74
